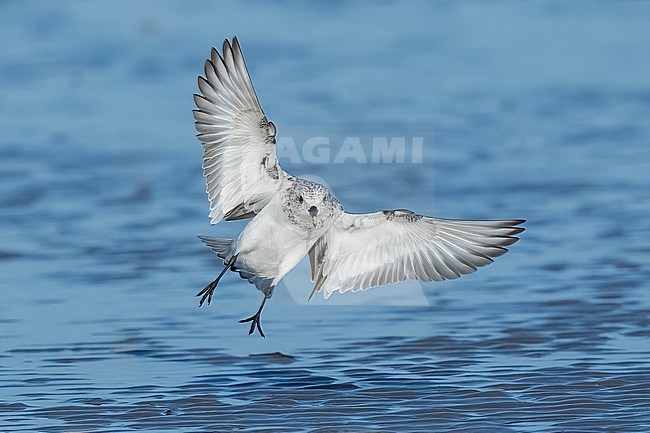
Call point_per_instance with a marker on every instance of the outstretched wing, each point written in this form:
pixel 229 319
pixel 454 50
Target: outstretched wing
pixel 361 251
pixel 239 159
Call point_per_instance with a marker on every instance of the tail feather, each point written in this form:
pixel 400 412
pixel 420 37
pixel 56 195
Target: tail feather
pixel 220 246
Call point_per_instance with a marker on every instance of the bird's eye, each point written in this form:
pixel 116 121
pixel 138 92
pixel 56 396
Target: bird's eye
pixel 300 199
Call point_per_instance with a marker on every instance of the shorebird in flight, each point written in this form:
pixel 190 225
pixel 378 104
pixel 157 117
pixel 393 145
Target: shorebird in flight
pixel 291 217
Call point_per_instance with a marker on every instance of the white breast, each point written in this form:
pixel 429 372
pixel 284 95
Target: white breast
pixel 270 245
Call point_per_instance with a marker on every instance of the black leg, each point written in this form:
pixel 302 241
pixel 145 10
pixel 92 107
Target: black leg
pixel 208 290
pixel 255 318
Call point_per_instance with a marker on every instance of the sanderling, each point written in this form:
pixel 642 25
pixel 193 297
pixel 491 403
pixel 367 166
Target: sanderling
pixel 292 217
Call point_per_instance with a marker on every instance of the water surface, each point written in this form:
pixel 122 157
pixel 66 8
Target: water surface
pixel 535 110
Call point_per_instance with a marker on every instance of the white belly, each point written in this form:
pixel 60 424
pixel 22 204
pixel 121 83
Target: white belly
pixel 270 246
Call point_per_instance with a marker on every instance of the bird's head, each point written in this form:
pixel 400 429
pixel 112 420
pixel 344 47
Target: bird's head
pixel 310 205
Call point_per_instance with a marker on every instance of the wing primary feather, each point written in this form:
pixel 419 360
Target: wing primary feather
pixel 235 135
pixel 366 250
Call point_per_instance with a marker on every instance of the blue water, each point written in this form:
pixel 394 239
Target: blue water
pixel 527 110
